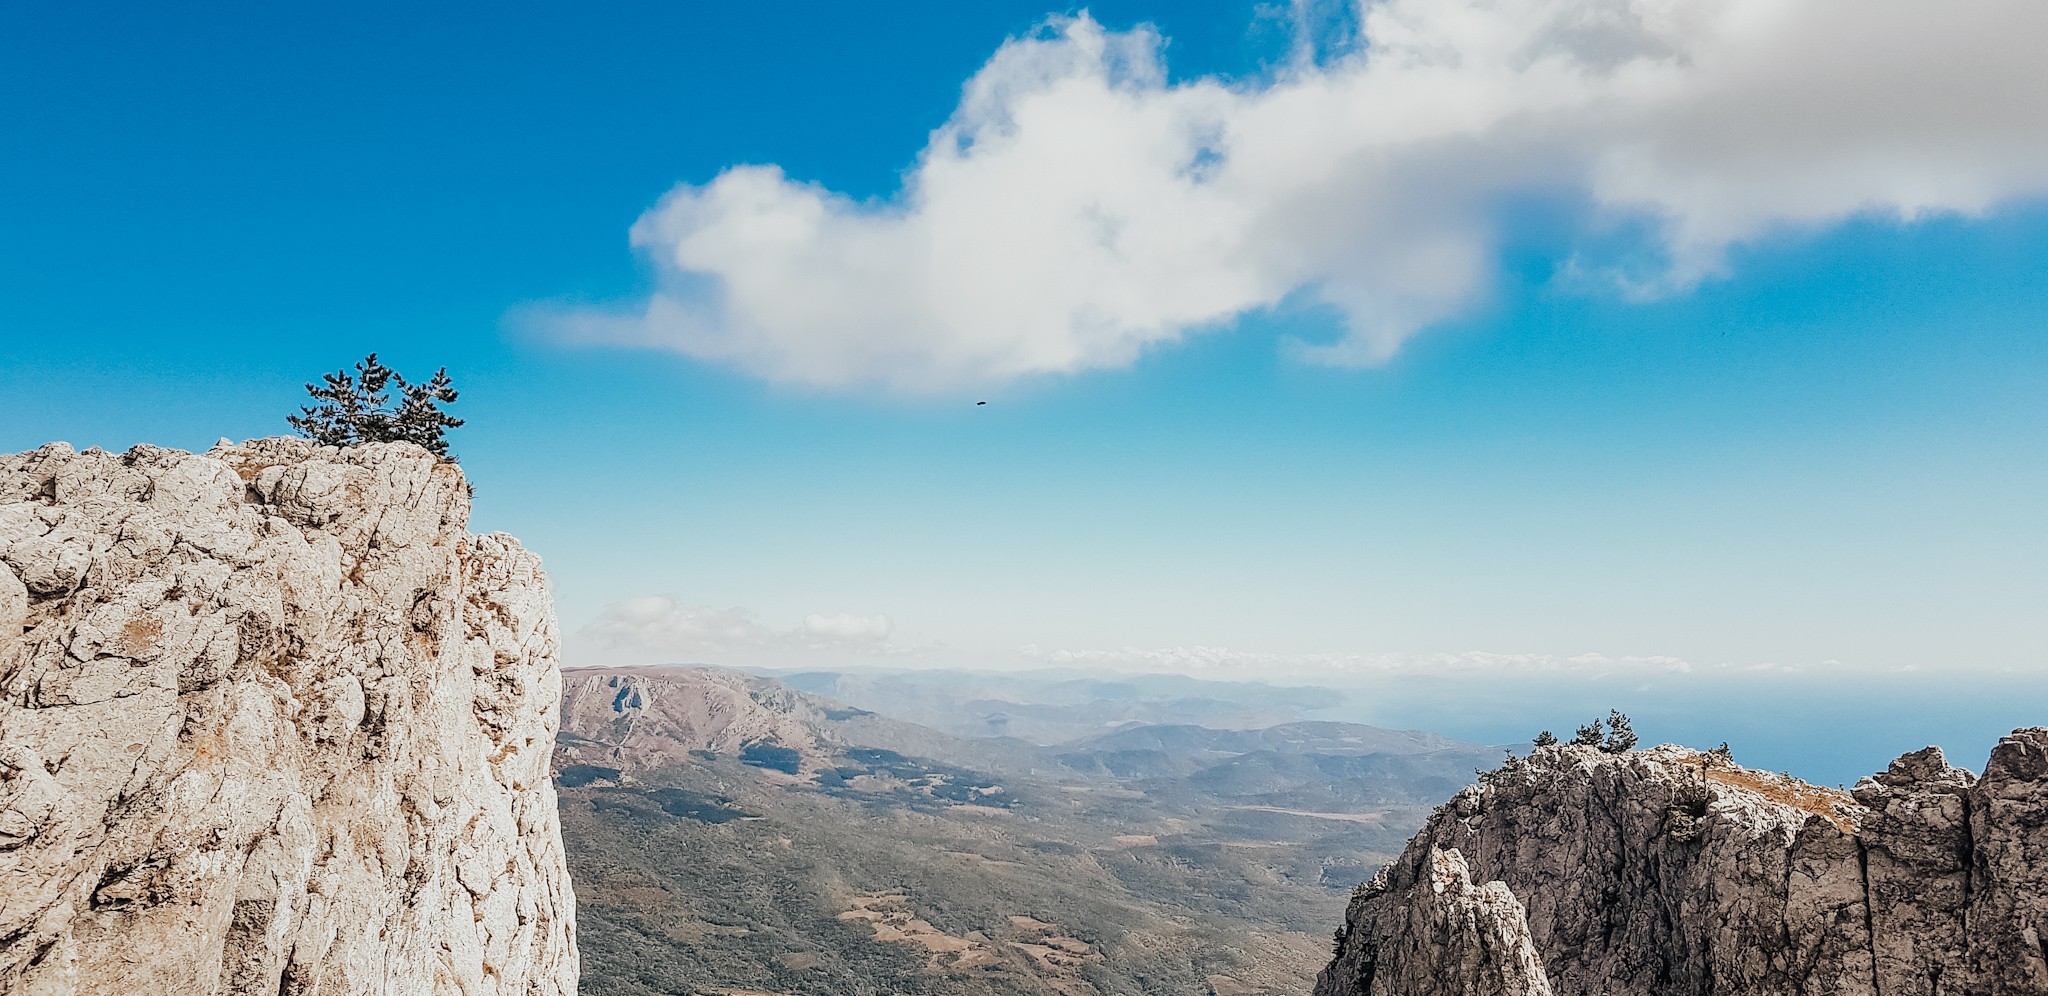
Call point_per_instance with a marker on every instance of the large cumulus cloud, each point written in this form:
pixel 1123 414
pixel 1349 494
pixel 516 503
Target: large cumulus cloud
pixel 1079 208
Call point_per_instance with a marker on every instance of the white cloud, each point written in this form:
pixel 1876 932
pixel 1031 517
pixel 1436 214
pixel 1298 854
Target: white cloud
pixel 1077 209
pixel 847 627
pixel 659 629
pixel 1227 663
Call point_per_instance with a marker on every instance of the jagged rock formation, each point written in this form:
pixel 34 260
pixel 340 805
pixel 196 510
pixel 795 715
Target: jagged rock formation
pixel 1677 873
pixel 272 721
pixel 1465 940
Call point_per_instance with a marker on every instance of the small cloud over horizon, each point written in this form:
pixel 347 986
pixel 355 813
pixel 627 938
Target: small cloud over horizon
pixel 1080 208
pixel 661 629
pixel 1227 663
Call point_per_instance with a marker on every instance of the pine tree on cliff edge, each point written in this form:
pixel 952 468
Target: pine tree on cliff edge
pixel 355 408
pixel 1615 736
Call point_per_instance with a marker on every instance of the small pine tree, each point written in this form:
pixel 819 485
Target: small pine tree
pixel 346 405
pixel 419 418
pixel 1589 735
pixel 351 409
pixel 1621 737
pixel 1546 739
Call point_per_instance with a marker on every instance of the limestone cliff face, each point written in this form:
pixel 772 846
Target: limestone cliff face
pixel 272 721
pixel 1676 873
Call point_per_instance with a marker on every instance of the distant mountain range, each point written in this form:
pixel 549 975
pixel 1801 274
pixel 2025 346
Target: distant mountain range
pixel 1053 706
pixel 730 833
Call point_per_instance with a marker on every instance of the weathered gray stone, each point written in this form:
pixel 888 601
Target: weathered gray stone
pixel 1463 940
pixel 1916 841
pixel 1677 873
pixel 2007 918
pixel 272 721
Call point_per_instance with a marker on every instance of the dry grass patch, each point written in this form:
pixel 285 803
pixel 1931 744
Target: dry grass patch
pixel 1834 805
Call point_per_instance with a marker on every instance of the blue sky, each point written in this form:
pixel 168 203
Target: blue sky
pixel 1821 434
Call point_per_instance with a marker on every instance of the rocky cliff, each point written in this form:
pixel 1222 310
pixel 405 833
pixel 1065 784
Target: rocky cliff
pixel 1676 873
pixel 272 721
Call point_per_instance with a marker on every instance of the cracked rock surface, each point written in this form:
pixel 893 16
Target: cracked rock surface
pixel 272 721
pixel 1463 940
pixel 1673 872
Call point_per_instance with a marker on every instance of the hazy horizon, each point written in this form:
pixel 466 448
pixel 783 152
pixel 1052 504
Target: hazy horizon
pixel 1815 725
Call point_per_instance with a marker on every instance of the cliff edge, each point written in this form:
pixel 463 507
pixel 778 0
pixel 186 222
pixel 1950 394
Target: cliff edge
pixel 1677 873
pixel 272 721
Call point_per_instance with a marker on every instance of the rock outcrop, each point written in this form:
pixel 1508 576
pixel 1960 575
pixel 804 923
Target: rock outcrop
pixel 1465 940
pixel 1677 873
pixel 272 721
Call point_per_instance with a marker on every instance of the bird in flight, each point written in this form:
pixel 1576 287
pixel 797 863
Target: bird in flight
pixel 978 403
